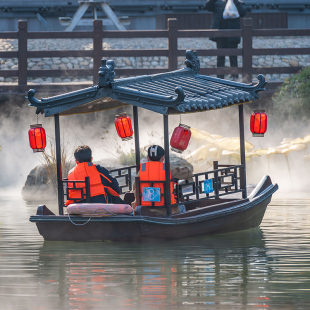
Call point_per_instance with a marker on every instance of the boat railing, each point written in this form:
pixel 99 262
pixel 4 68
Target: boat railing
pixel 72 185
pixel 223 181
pixel 211 184
pixel 124 177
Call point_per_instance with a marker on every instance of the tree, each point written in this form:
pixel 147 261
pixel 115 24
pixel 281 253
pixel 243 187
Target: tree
pixel 292 98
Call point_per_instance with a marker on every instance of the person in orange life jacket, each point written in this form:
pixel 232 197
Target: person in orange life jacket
pixel 156 157
pixel 103 187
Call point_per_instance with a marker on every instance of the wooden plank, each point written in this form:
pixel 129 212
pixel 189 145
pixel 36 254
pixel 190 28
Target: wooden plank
pixel 60 35
pixel 8 73
pixel 173 44
pixel 97 46
pixel 276 70
pixel 60 53
pixel 22 52
pixel 8 54
pixel 209 33
pixel 247 50
pixel 56 73
pixel 215 52
pixel 281 51
pixel 280 32
pixel 129 34
pixel 135 53
pixel 9 35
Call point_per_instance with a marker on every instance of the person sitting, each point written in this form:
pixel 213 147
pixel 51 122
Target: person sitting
pixel 103 187
pixel 154 169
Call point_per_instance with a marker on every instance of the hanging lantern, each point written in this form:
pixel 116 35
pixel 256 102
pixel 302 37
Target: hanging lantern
pixel 37 138
pixel 180 138
pixel 123 126
pixel 258 123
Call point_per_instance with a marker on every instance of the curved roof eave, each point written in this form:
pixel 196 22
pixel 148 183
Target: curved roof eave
pixel 180 91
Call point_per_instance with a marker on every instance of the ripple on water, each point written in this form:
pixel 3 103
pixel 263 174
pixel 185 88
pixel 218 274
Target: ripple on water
pixel 267 267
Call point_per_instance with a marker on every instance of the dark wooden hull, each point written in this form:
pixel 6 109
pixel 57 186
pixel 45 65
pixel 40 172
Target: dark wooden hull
pixel 213 219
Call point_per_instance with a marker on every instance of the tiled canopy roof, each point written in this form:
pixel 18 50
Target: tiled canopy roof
pixel 180 91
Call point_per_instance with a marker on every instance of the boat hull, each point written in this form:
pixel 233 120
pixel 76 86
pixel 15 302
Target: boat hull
pixel 221 218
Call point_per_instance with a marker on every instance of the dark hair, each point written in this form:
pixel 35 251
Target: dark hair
pixel 83 154
pixel 155 152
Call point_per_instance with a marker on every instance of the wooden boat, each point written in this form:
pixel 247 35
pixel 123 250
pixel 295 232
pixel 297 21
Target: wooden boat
pixel 181 91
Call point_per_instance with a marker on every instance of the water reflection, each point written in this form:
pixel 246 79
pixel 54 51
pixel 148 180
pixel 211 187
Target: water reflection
pixel 196 271
pixel 253 269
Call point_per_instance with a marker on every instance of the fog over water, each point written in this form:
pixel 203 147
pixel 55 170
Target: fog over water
pixel 97 130
pixel 265 267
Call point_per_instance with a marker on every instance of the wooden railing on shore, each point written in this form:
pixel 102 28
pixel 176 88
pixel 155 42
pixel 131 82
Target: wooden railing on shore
pixel 172 53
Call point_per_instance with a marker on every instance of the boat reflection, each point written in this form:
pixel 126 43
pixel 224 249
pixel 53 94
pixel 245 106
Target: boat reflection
pixel 198 271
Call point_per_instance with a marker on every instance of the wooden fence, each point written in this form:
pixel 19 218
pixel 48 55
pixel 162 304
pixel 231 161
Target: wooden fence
pixel 172 34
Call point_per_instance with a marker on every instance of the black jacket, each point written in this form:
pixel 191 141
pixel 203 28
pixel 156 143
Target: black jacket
pixel 218 22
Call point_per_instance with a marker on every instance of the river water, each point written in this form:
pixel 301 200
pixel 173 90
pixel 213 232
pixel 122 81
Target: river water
pixel 267 267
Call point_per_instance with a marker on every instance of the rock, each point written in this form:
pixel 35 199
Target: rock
pixel 57 80
pixel 74 61
pixel 37 185
pixel 63 67
pixel 1 79
pixel 9 80
pixel 38 80
pixel 127 61
pixel 293 63
pixel 64 60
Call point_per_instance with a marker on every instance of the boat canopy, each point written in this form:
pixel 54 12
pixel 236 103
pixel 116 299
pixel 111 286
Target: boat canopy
pixel 175 92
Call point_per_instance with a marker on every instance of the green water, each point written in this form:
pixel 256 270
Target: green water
pixel 267 267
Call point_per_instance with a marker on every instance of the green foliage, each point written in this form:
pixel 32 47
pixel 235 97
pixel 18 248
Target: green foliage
pixel 292 98
pixel 130 158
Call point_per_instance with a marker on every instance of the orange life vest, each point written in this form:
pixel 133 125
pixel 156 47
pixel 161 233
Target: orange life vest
pixel 154 171
pixel 79 173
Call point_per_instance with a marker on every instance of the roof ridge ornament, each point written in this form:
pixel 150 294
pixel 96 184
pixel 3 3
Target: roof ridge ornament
pixel 106 73
pixel 192 61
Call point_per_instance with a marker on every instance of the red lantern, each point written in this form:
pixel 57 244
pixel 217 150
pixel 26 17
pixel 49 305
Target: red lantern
pixel 37 138
pixel 258 123
pixel 180 138
pixel 123 126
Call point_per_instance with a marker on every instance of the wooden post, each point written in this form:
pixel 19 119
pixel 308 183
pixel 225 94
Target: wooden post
pixel 173 44
pixel 22 52
pixel 87 187
pixel 242 152
pixel 216 179
pixel 136 132
pixel 138 197
pixel 97 46
pixel 247 50
pixel 167 166
pixel 58 164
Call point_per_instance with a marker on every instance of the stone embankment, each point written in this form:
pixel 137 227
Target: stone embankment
pixel 65 63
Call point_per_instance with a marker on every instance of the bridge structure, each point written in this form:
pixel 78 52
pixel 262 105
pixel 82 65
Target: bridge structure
pixel 44 15
pixel 172 33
